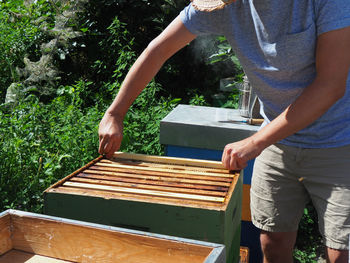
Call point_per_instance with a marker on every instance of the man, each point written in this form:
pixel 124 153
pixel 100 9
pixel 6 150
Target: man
pixel 296 55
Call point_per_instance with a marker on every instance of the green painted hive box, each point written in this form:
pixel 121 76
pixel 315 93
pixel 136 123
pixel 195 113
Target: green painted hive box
pixel 188 198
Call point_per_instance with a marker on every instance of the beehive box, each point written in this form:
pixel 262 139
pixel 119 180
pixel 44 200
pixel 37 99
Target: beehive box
pixel 186 198
pixel 34 238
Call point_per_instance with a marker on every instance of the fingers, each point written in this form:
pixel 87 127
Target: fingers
pixel 232 160
pixel 109 144
pixel 226 158
pixel 110 134
pixel 109 148
pixel 101 145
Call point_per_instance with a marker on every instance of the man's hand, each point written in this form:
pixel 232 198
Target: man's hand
pixel 237 154
pixel 110 133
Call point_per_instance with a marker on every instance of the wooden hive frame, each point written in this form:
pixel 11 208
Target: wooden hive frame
pixel 29 237
pixel 155 179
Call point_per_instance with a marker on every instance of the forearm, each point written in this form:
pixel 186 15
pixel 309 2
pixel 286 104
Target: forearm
pixel 307 108
pixel 140 74
pixel 172 39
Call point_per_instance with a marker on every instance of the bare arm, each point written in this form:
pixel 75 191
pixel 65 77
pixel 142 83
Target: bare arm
pixel 172 39
pixel 332 65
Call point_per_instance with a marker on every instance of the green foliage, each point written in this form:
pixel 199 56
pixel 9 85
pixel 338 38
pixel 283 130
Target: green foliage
pixel 198 100
pixel 308 248
pixel 120 28
pixel 41 144
pixel 232 100
pixel 121 41
pixel 138 23
pixel 225 53
pixel 142 123
pixel 21 33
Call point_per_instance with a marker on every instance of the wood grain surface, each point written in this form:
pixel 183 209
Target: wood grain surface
pixel 83 244
pixel 5 234
pixel 15 256
pixel 154 178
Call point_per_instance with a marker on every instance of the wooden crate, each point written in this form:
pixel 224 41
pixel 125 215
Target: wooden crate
pixel 28 237
pixel 187 198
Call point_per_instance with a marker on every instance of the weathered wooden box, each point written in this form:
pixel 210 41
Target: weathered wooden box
pixel 34 238
pixel 186 198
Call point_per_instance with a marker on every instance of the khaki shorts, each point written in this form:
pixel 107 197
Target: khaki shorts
pixel 286 178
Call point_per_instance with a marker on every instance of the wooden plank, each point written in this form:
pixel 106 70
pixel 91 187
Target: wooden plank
pixel 158 178
pixel 170 166
pixel 101 167
pixel 246 216
pixel 244 255
pixel 146 186
pixel 60 182
pixel 138 198
pixel 169 160
pixel 145 192
pixel 5 234
pixel 152 182
pixel 77 243
pixel 15 256
pixel 231 189
pixel 171 171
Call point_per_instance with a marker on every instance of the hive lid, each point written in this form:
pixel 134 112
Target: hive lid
pixel 154 179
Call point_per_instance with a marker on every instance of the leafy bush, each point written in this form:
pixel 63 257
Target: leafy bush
pixel 308 245
pixel 142 122
pixel 21 33
pixel 41 144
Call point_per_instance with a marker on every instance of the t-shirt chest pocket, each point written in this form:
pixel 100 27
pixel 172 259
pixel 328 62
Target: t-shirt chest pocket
pixel 296 51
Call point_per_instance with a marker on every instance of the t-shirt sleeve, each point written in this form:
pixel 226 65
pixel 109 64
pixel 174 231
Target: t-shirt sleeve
pixel 201 22
pixel 332 15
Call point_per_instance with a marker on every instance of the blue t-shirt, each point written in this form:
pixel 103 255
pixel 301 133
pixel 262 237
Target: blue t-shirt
pixel 275 42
